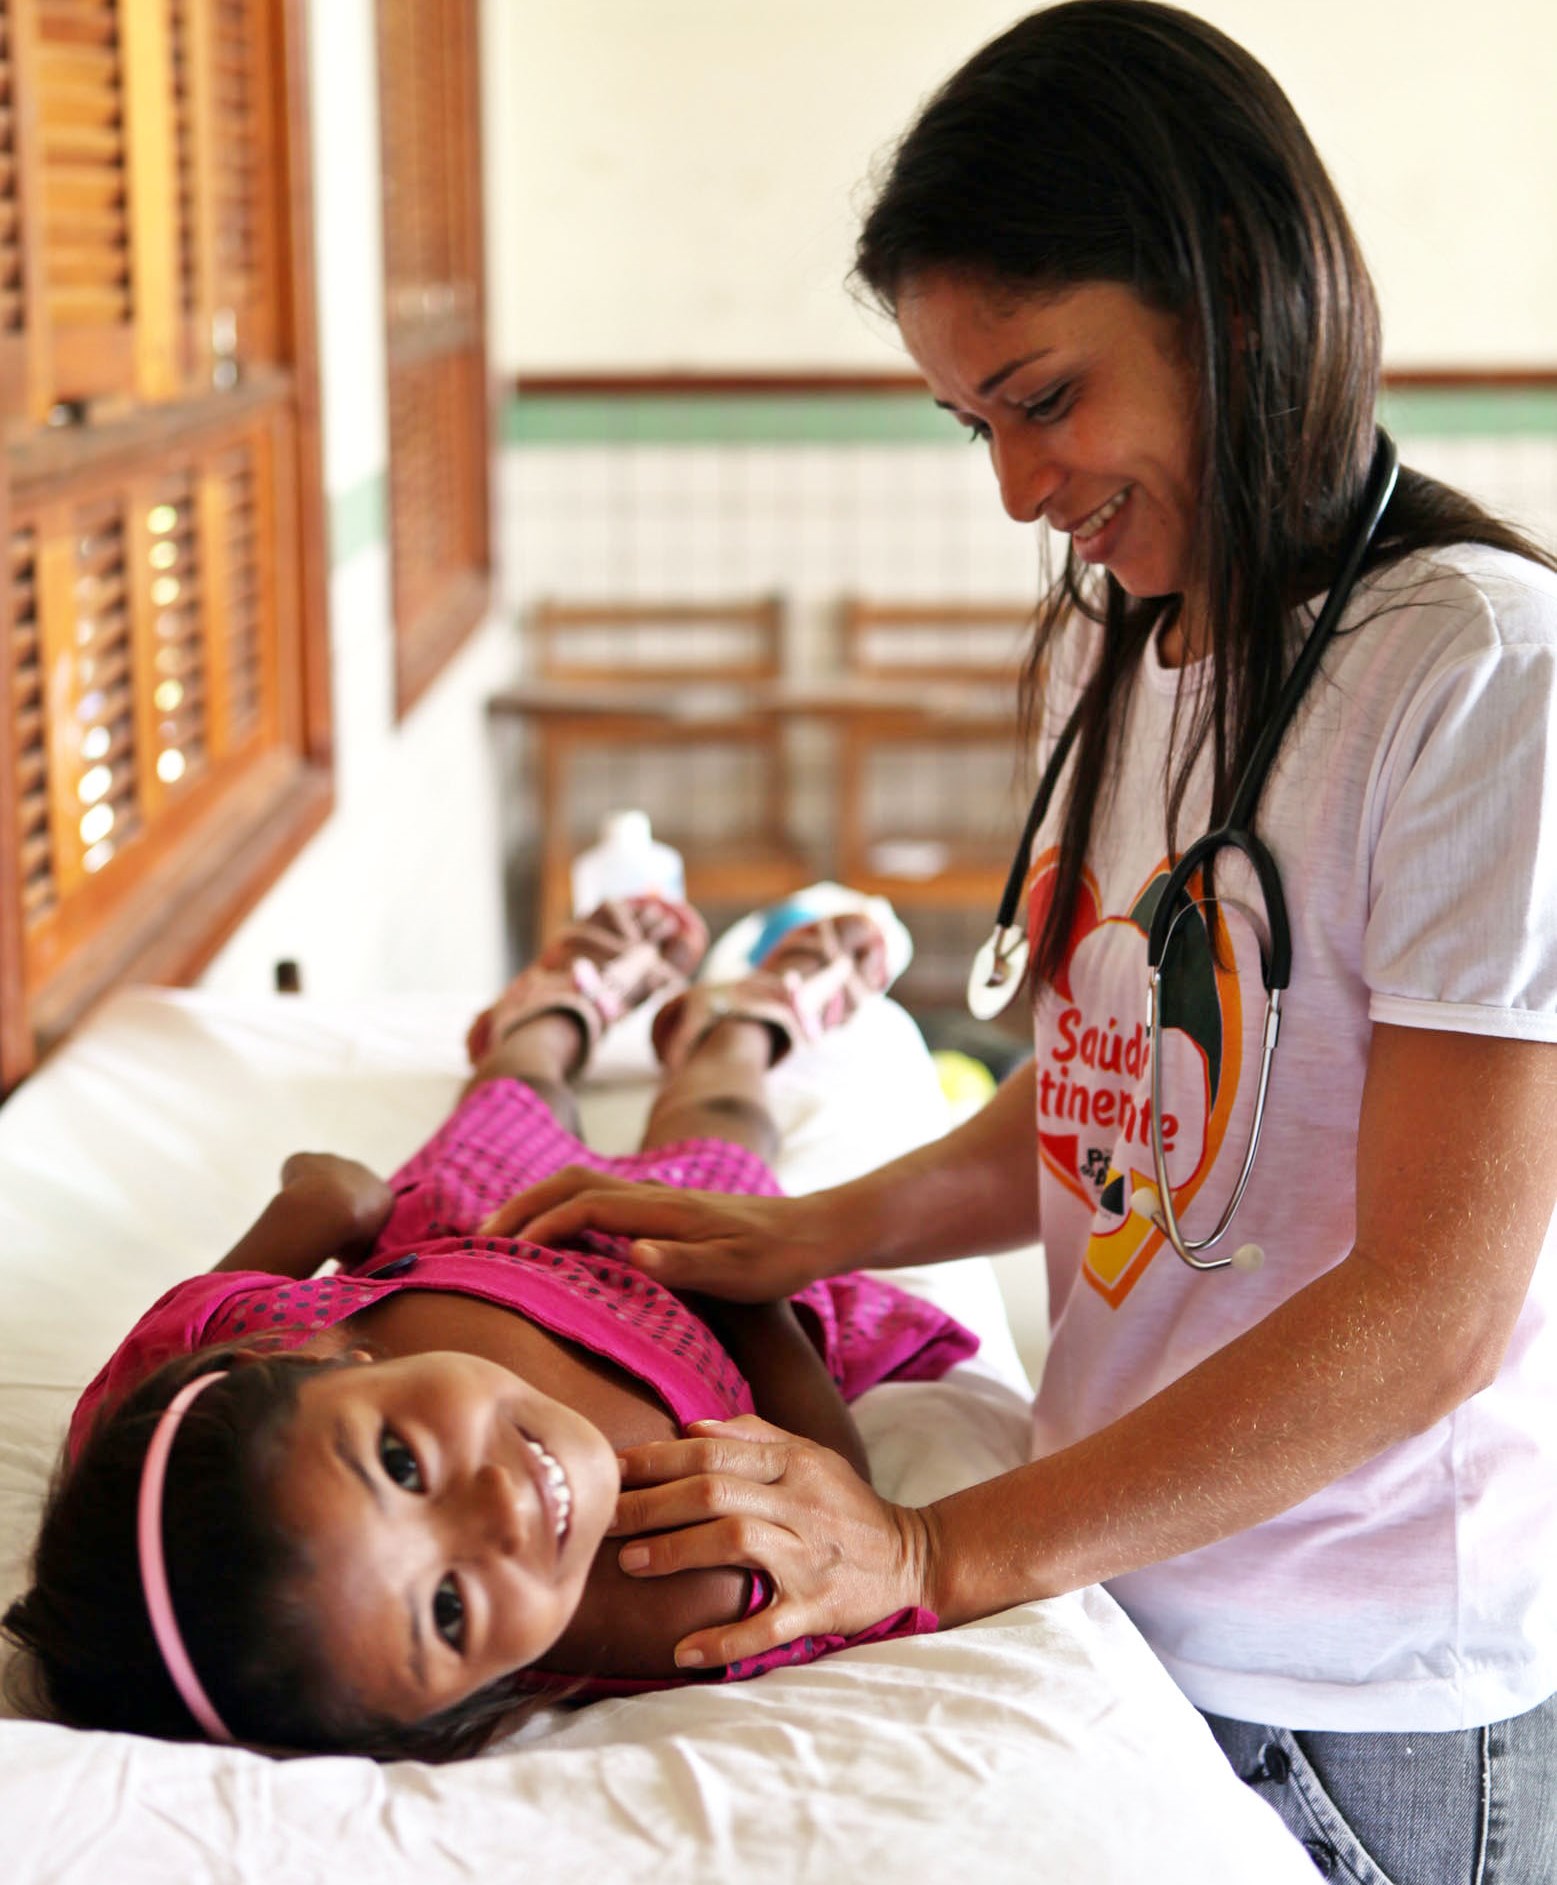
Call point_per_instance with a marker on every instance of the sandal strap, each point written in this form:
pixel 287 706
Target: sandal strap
pixel 824 998
pixel 797 1003
pixel 630 940
pixel 654 920
pixel 624 980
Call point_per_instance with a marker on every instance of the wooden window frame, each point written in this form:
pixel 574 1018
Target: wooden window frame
pixel 173 908
pixel 428 324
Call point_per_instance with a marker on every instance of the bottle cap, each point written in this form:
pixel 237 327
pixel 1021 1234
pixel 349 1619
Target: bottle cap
pixel 625 827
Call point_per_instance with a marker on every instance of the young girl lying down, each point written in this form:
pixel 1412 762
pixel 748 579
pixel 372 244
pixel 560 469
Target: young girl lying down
pixel 369 1510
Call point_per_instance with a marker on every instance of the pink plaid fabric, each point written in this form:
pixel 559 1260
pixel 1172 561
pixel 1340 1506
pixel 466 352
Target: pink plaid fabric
pixel 502 1139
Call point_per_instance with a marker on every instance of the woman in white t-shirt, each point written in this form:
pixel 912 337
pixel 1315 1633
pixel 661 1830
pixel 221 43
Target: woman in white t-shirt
pixel 1326 1490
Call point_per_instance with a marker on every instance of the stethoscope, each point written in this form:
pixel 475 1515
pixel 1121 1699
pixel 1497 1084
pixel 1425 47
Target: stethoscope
pixel 1000 967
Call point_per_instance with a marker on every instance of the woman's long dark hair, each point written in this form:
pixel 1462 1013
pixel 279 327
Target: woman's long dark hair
pixel 90 1659
pixel 1123 141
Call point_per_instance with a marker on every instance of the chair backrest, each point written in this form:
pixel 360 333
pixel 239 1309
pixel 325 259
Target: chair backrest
pixel 927 792
pixel 664 716
pixel 960 643
pixel 619 641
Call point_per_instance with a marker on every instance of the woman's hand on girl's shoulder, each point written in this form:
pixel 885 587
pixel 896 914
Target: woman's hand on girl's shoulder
pixel 837 1556
pixel 741 1248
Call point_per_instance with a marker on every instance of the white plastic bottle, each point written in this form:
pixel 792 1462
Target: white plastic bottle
pixel 628 861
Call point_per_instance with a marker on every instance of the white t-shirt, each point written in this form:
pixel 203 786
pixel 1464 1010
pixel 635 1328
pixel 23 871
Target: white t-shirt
pixel 1412 812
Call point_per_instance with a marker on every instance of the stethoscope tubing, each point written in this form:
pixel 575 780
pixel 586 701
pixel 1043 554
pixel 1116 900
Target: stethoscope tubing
pixel 999 969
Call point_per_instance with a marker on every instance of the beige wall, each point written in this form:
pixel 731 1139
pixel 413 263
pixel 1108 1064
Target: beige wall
pixel 670 181
pixel 669 184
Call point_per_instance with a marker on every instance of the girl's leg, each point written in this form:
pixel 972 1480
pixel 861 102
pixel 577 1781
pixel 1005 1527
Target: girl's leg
pixel 717 1092
pixel 542 1053
pixel 717 1044
pixel 594 970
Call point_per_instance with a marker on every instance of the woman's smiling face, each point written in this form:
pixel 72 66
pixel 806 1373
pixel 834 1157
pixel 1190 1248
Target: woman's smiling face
pixel 449 1514
pixel 1088 401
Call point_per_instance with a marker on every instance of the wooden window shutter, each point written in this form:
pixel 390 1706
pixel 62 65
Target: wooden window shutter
pixel 436 342
pixel 142 185
pixel 162 630
pixel 68 62
pixel 85 637
pixel 228 213
pixel 146 655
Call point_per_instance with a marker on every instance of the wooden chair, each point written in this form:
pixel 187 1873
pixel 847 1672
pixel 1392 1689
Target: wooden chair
pixel 661 705
pixel 929 795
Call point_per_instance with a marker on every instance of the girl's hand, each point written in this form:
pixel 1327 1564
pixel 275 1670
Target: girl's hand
pixel 742 1492
pixel 739 1248
pixel 353 1202
pixel 326 1207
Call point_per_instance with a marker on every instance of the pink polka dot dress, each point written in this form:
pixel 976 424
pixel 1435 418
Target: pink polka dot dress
pixel 500 1140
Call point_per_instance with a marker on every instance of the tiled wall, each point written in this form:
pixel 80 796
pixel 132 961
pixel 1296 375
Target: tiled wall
pixel 810 521
pixel 690 499
pixel 594 504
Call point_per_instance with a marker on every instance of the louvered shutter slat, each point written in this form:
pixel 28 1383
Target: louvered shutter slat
pixel 241 167
pixel 244 625
pixel 174 688
pixel 13 307
pixel 82 156
pixel 34 843
pixel 183 55
pixel 98 791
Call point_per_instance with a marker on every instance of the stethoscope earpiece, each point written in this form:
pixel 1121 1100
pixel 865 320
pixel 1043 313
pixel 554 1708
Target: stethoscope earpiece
pixel 1143 1202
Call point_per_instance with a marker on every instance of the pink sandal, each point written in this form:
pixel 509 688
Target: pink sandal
pixel 815 977
pixel 597 969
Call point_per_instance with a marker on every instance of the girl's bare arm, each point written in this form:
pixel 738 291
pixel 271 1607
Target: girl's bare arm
pixel 789 1381
pixel 326 1207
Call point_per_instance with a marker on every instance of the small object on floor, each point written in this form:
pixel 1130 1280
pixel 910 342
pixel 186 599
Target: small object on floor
pixel 966 1083
pixel 954 1030
pixel 627 861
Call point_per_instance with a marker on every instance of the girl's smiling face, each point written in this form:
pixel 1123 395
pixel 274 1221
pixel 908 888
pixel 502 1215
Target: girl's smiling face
pixel 1088 401
pixel 450 1514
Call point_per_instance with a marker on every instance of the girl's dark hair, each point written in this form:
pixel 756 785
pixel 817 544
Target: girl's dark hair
pixel 1123 141
pixel 235 1576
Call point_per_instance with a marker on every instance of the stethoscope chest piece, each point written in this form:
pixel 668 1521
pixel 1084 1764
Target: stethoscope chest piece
pixel 999 970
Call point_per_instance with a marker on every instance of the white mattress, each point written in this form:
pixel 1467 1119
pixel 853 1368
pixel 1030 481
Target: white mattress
pixel 1044 1743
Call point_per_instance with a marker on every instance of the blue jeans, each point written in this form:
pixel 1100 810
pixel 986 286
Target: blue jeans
pixel 1474 1807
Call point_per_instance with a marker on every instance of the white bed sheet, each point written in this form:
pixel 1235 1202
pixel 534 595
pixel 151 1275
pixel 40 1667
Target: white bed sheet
pixel 1046 1742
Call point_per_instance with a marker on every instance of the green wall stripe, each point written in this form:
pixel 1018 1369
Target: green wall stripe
pixel 548 419
pixel 1471 412
pixel 359 518
pixel 749 419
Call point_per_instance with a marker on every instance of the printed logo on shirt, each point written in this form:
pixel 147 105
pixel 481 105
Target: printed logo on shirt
pixel 1094 1065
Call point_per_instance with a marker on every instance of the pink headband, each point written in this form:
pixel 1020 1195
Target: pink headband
pixel 154 1570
